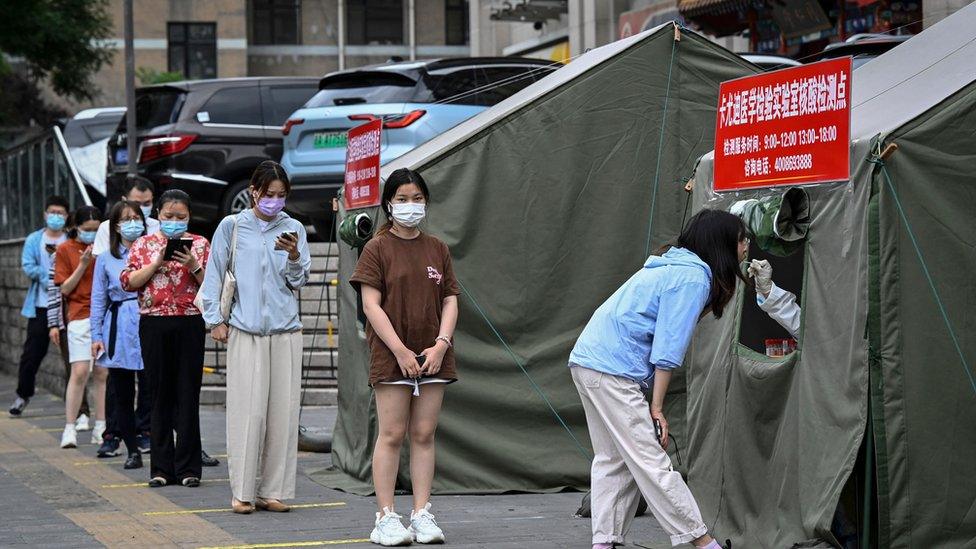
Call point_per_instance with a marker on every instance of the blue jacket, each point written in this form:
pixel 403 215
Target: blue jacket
pixel 110 304
pixel 265 301
pixel 648 322
pixel 30 261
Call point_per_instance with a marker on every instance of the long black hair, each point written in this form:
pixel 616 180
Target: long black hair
pixel 714 236
pixel 397 179
pixel 114 215
pixel 81 215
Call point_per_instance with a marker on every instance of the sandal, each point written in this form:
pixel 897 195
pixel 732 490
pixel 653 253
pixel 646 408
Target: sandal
pixel 191 482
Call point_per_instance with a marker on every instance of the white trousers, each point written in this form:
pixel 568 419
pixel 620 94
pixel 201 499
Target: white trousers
pixel 629 461
pixel 263 399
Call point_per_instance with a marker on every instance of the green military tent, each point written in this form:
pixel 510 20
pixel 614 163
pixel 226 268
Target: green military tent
pixel 548 201
pixel 877 407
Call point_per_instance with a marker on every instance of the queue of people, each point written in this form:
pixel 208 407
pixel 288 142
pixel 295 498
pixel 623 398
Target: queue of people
pixel 145 304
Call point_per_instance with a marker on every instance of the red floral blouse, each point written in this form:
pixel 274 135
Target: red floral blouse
pixel 171 290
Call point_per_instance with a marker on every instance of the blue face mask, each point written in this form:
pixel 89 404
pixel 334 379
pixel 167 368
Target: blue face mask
pixel 146 210
pixel 55 222
pixel 87 236
pixel 173 229
pixel 132 229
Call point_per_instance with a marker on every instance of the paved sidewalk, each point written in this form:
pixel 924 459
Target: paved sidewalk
pixel 68 498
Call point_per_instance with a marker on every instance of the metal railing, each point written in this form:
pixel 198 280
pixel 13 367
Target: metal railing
pixel 30 172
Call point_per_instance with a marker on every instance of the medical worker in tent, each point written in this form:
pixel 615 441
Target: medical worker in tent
pixel 778 303
pixel 630 346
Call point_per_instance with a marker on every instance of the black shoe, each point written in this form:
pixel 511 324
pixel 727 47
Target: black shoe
pixel 18 406
pixel 143 442
pixel 109 448
pixel 158 482
pixel 191 482
pixel 208 461
pixel 134 461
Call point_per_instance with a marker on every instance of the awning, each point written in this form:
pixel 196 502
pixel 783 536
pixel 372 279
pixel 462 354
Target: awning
pixel 694 8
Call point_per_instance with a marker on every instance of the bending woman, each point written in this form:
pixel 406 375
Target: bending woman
pixel 410 299
pixel 631 345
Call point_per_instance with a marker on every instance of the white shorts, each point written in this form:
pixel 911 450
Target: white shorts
pixel 79 340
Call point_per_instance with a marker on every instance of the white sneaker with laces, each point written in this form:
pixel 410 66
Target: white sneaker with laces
pixel 423 528
pixel 81 424
pixel 69 438
pixel 389 531
pixel 98 432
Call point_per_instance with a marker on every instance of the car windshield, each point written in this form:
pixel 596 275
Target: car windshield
pixel 156 107
pixel 78 133
pixel 363 87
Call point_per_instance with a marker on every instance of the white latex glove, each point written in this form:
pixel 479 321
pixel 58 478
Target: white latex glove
pixel 762 272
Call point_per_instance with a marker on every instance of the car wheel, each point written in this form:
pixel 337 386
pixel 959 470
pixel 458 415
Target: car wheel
pixel 236 199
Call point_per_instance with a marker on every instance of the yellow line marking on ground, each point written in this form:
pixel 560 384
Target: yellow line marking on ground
pixel 115 460
pixel 228 509
pixel 293 544
pixel 146 483
pixel 29 417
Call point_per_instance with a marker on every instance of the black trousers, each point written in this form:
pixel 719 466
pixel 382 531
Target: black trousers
pixel 35 349
pixel 143 412
pixel 122 386
pixel 172 351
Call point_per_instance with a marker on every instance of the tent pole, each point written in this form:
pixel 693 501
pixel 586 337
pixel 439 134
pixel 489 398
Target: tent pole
pixel 868 483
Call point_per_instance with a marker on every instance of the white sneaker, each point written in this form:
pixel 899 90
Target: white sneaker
pixel 69 438
pixel 389 530
pixel 98 432
pixel 81 424
pixel 423 528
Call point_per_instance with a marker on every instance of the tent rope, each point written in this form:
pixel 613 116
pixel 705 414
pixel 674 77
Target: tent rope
pixel 579 446
pixel 660 150
pixel 925 269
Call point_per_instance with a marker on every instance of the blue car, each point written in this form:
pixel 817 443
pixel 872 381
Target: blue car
pixel 416 101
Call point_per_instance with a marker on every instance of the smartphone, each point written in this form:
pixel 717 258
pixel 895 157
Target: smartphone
pixel 658 431
pixel 290 234
pixel 174 245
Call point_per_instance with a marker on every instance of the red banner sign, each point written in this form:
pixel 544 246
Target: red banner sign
pixel 787 127
pixel 362 186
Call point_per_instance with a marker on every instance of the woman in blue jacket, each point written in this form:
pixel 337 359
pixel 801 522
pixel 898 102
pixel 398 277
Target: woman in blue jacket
pixel 115 322
pixel 629 347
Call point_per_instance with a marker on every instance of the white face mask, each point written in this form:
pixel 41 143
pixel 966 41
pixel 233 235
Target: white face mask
pixel 409 214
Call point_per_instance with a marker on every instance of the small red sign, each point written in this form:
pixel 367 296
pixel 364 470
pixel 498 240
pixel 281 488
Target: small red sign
pixel 787 127
pixel 362 185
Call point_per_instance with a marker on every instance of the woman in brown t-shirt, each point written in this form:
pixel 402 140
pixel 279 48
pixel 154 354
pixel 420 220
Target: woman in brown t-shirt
pixel 410 299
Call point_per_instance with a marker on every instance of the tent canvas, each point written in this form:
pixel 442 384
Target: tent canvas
pixel 880 371
pixel 548 201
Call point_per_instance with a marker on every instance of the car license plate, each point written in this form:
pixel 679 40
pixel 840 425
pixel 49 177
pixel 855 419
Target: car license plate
pixel 329 140
pixel 122 156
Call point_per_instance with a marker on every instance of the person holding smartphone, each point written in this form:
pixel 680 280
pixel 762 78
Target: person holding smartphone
pixel 267 251
pixel 630 346
pixel 73 271
pixel 171 333
pixel 35 260
pixel 406 278
pixel 115 325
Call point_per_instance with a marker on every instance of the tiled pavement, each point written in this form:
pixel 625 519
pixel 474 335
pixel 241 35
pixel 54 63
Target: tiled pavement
pixel 68 498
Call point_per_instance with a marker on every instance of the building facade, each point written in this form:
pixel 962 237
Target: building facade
pixel 233 38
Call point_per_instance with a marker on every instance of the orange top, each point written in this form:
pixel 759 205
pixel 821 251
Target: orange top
pixel 66 260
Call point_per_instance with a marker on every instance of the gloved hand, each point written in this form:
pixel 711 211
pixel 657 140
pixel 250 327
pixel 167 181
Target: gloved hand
pixel 762 272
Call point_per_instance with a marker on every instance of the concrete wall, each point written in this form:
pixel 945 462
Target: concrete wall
pixel 13 327
pixel 934 11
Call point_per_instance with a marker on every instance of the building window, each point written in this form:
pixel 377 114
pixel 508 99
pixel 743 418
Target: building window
pixel 192 49
pixel 456 22
pixel 375 21
pixel 276 21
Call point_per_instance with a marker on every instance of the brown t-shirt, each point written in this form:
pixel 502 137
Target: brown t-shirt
pixel 414 277
pixel 66 260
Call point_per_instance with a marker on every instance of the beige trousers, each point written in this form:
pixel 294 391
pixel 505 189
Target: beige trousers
pixel 628 461
pixel 263 399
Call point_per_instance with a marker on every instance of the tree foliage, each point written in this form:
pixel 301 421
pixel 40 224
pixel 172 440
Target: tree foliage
pixel 61 40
